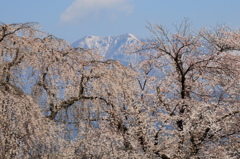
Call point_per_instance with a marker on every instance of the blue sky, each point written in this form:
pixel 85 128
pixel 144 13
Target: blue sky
pixel 74 19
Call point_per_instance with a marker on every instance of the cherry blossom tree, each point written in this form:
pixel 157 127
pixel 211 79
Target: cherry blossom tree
pixel 72 90
pixel 24 131
pixel 192 81
pixel 181 100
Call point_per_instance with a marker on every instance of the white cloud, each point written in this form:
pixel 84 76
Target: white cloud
pixel 80 9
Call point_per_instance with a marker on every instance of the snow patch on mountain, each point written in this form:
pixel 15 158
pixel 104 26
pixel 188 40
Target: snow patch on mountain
pixel 111 47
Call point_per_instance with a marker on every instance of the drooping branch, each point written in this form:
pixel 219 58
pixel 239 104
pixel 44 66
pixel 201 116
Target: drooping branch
pixel 6 70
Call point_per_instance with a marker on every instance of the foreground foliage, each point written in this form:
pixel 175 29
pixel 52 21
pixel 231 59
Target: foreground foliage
pixel 181 100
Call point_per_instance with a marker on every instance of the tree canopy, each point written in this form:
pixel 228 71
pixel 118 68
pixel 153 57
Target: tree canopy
pixel 180 100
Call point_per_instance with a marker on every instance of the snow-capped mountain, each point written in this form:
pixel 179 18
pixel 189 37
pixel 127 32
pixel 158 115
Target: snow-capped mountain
pixel 111 47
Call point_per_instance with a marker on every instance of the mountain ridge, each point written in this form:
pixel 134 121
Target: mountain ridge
pixel 111 47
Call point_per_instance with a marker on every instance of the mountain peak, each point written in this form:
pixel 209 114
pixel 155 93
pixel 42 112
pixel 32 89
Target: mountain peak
pixel 111 47
pixel 122 36
pixel 128 36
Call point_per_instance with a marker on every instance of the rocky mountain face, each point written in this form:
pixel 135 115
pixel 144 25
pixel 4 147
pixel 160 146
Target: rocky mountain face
pixel 111 47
